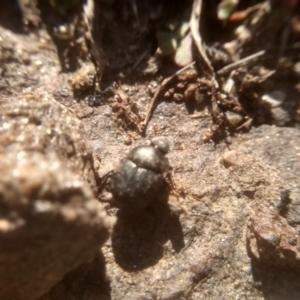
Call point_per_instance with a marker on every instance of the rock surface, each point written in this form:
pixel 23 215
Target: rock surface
pixel 50 221
pixel 204 253
pixel 210 250
pixel 272 240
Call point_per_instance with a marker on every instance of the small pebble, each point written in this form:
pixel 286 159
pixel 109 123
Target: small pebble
pixel 274 99
pixel 280 116
pixel 178 97
pixel 233 118
pixel 190 92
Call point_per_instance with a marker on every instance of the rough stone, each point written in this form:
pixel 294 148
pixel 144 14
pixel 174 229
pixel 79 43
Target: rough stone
pixel 50 221
pixel 272 240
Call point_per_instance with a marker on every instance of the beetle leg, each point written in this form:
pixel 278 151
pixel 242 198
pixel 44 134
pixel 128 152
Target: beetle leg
pixel 104 181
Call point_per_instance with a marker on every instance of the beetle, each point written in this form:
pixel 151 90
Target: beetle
pixel 141 178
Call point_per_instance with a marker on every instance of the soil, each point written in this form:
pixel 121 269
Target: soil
pixel 234 139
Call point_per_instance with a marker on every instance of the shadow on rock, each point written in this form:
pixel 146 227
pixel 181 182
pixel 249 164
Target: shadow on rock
pixel 138 237
pixel 11 15
pixel 276 283
pixel 273 246
pixel 88 281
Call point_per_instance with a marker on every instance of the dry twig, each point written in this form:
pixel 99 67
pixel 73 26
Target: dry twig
pixel 241 15
pixel 240 63
pixel 96 50
pixel 140 59
pixel 195 30
pixel 159 89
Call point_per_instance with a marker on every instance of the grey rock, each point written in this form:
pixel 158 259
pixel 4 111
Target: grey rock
pixel 280 116
pixel 233 118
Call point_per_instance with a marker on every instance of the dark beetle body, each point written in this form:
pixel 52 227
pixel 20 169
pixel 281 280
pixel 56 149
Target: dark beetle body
pixel 139 179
